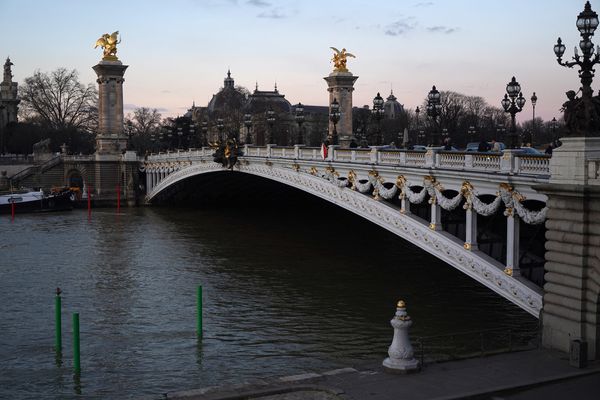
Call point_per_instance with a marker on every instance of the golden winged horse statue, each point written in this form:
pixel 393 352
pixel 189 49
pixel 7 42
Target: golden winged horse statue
pixel 109 45
pixel 339 59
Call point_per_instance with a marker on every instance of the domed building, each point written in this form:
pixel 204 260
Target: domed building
pixel 392 108
pixel 237 112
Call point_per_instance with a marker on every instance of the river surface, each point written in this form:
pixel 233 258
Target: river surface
pixel 286 291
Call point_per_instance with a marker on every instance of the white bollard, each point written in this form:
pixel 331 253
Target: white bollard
pixel 401 356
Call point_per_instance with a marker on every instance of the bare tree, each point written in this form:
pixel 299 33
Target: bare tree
pixel 141 126
pixel 143 121
pixel 59 101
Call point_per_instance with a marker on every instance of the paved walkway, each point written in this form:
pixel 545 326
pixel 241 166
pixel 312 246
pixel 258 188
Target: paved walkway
pixel 517 375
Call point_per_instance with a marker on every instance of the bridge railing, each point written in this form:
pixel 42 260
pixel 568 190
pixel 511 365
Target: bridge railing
pixel 507 162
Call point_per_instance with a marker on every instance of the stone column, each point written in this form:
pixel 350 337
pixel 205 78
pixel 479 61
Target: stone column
pixel 471 229
pixel 512 243
pixel 340 87
pixel 110 138
pixel 436 215
pixel 572 289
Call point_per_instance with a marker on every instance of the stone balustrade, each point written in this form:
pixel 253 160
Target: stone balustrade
pixel 509 162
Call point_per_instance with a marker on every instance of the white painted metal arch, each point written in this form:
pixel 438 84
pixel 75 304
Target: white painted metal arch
pixel 446 247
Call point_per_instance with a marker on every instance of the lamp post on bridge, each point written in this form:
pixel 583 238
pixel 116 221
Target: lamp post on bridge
pixel 553 125
pixel 204 130
pixel 378 113
pixel 417 112
pixel 500 131
pixel 434 108
pixel 577 116
pixel 300 120
pixel 220 127
pixel 271 121
pixel 533 103
pixel 248 124
pixel 334 116
pixel 472 132
pixel 513 103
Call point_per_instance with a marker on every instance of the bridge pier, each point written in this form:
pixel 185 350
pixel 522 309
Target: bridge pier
pixel 572 291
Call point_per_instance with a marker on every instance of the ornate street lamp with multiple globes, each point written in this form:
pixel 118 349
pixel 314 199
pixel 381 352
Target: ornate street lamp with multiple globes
pixel 334 116
pixel 204 130
pixel 513 103
pixel 533 103
pixel 434 109
pixel 248 124
pixel 587 22
pixel 472 132
pixel 300 120
pixel 417 112
pixel 378 113
pixel 220 127
pixel 271 121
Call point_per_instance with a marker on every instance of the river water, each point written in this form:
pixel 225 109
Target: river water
pixel 286 291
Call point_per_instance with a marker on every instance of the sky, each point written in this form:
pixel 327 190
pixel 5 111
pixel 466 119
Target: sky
pixel 179 51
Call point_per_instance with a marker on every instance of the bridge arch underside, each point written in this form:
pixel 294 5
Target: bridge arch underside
pixel 250 184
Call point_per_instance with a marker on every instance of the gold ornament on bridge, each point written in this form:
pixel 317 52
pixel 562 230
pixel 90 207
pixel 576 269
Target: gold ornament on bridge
pixel 109 45
pixel 339 59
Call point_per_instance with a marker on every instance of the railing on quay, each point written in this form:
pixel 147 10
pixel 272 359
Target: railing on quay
pixel 12 159
pixel 461 345
pixel 509 162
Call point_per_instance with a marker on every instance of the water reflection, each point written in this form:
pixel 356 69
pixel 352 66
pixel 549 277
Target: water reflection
pixel 284 293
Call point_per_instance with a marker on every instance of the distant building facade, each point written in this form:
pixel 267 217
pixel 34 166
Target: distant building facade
pixel 229 107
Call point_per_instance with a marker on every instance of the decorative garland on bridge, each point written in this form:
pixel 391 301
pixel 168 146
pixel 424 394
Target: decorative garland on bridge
pixel 506 194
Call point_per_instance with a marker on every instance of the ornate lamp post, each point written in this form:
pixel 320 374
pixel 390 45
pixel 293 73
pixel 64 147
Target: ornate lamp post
pixel 513 103
pixel 248 124
pixel 271 121
pixel 417 112
pixel 472 132
pixel 334 116
pixel 500 132
pixel 179 134
pixel 444 135
pixel 434 108
pixel 421 139
pixel 161 136
pixel 170 136
pixel 204 129
pixel 300 120
pixel 378 113
pixel 582 120
pixel 553 125
pixel 191 131
pixel 220 127
pixel 533 102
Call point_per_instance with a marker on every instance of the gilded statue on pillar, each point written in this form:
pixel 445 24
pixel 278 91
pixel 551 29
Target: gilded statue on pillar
pixel 109 45
pixel 339 59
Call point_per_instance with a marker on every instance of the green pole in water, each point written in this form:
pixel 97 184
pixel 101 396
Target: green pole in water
pixel 76 355
pixel 58 322
pixel 199 327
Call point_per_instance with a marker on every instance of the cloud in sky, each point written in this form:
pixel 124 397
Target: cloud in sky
pixel 273 14
pixel 400 27
pixel 441 29
pixel 259 3
pixel 424 4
